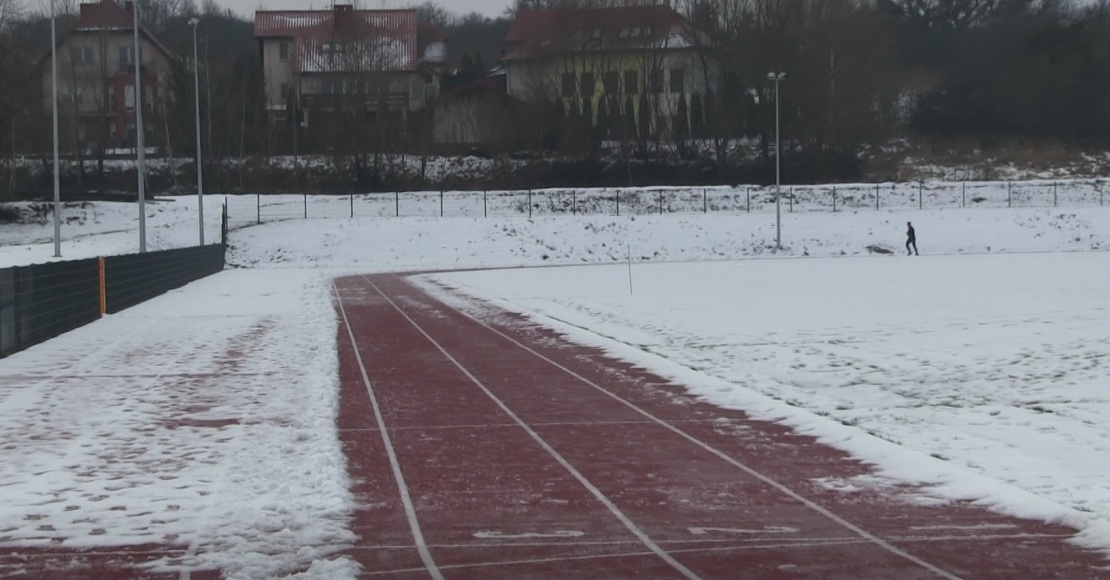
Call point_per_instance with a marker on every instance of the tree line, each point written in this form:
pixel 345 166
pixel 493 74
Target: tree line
pixel 860 74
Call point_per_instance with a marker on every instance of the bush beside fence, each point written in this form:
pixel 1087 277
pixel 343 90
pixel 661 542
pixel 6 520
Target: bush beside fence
pixel 42 301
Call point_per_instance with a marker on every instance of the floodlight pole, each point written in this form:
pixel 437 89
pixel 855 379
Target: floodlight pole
pixel 777 77
pixel 200 166
pixel 54 99
pixel 141 159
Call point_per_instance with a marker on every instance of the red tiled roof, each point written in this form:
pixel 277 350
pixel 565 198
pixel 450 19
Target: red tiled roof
pixel 393 39
pixel 427 34
pixel 107 15
pixel 540 32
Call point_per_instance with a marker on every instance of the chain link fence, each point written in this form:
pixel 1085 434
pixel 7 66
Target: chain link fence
pixel 244 210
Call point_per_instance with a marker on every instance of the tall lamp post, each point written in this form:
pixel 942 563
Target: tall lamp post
pixel 196 92
pixel 777 77
pixel 141 147
pixel 54 99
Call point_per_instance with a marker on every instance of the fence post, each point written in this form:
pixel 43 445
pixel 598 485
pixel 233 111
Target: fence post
pixel 529 203
pixel 305 205
pixel 258 208
pixel 963 200
pixel 1009 194
pixel 352 204
pixel 441 203
pixel 485 207
pixel 396 204
pixel 920 194
pixel 574 202
pixel 102 279
pixel 834 199
pixel 704 201
pixel 618 203
pixel 1053 194
pixel 223 224
pixel 660 202
pixel 876 196
pixel 792 199
pixel 748 190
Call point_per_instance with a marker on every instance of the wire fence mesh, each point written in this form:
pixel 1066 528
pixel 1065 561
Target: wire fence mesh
pixel 250 209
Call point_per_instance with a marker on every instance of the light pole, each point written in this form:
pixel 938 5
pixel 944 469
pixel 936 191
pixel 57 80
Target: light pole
pixel 196 92
pixel 54 98
pixel 141 159
pixel 777 77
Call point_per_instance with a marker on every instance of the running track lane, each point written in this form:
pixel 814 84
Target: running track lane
pixel 497 448
pixel 56 562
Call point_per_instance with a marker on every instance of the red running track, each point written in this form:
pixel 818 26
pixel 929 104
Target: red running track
pixel 105 563
pixel 498 449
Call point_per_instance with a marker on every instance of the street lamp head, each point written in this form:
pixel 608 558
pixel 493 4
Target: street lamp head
pixel 776 76
pixel 194 21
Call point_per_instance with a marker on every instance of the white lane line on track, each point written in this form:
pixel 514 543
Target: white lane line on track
pixel 749 470
pixel 640 553
pixel 514 425
pixel 406 499
pixel 636 531
pixel 741 543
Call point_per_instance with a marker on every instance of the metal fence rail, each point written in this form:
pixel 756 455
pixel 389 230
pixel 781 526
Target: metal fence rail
pixel 42 301
pixel 246 210
pixel 135 278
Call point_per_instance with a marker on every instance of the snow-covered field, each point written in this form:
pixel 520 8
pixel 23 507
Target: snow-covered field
pixel 205 417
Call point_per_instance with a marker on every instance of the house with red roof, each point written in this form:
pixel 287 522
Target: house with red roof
pixel 639 68
pixel 316 62
pixel 96 78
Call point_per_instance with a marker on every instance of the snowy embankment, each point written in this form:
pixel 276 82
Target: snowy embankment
pixel 215 403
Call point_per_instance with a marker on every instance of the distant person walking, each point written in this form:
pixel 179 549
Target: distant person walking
pixel 911 240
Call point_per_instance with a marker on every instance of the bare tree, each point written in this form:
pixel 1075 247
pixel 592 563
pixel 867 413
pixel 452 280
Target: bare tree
pixel 14 102
pixel 10 11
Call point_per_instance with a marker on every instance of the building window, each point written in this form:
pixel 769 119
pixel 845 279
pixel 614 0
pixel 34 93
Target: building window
pixel 125 60
pixel 112 99
pixel 631 82
pixel 75 94
pixel 148 97
pixel 81 55
pixel 568 84
pixel 284 50
pixel 612 82
pixel 678 80
pixel 129 97
pixel 655 81
pixel 587 84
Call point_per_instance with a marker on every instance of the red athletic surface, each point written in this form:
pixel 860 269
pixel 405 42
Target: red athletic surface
pixel 110 563
pixel 524 455
pixel 527 456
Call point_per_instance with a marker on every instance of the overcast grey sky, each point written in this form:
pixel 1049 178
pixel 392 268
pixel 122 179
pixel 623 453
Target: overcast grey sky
pixel 247 7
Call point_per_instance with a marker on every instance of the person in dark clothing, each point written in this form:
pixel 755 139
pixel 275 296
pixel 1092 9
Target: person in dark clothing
pixel 911 240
